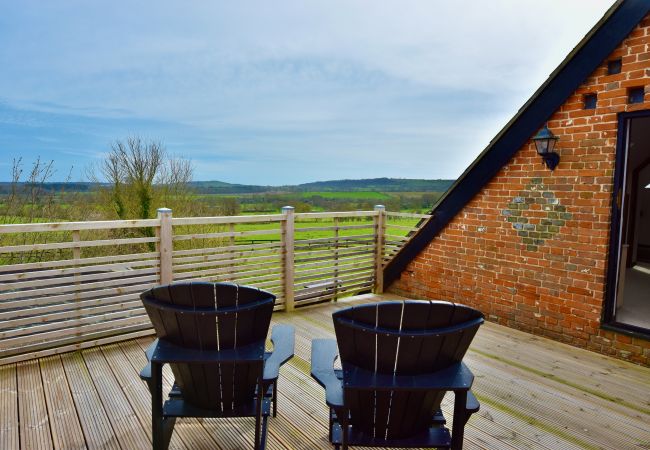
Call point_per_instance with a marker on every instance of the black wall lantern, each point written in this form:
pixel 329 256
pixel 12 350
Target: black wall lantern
pixel 545 143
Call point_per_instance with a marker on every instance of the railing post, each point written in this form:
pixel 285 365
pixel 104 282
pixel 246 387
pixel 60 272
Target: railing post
pixel 380 226
pixel 288 227
pixel 165 246
pixel 231 252
pixel 76 253
pixel 76 256
pixel 336 259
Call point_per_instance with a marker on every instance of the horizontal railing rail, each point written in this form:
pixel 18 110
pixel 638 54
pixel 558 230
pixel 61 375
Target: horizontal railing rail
pixel 72 285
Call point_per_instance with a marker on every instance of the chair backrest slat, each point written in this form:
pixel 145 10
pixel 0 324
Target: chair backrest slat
pixel 245 377
pixel 386 351
pixel 410 358
pixel 212 317
pixel 401 338
pixel 247 330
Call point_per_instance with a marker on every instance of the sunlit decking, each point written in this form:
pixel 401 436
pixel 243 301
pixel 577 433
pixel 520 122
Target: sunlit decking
pixel 534 393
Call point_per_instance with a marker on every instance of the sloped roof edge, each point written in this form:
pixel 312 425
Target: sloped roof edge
pixel 592 50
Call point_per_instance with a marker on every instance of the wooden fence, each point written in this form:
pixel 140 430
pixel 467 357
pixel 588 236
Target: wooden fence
pixel 71 285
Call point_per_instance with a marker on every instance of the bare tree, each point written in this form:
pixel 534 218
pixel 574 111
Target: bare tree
pixel 27 199
pixel 137 174
pixel 140 163
pixel 174 185
pixel 31 197
pixel 111 169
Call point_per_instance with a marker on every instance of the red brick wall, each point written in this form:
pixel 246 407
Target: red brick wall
pixel 530 250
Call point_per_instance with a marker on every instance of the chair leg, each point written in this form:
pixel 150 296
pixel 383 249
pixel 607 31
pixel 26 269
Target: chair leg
pixel 271 392
pixel 344 422
pixel 157 421
pixel 263 432
pixel 329 436
pixel 275 398
pixel 168 429
pixel 258 416
pixel 460 411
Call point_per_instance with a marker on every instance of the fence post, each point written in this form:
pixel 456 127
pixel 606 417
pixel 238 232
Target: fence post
pixel 288 227
pixel 380 227
pixel 76 255
pixel 336 259
pixel 231 252
pixel 165 246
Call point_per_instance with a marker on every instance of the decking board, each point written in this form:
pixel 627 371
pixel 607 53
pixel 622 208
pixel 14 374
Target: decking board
pixel 97 429
pixel 129 432
pixel 599 375
pixel 591 415
pixel 536 394
pixel 66 429
pixel 33 416
pixel 9 429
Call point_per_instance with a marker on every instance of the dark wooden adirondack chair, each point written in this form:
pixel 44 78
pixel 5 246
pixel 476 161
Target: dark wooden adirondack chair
pixel 213 336
pixel 398 360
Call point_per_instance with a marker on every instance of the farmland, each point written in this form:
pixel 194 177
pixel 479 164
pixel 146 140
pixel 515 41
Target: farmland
pixel 50 202
pixel 310 229
pixel 360 195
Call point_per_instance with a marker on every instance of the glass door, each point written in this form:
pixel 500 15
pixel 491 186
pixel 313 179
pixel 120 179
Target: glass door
pixel 631 228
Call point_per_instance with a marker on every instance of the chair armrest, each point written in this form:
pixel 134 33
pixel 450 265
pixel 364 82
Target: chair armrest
pixel 145 373
pixel 457 377
pixel 283 340
pixel 164 352
pixel 472 405
pixel 323 355
pixel 151 349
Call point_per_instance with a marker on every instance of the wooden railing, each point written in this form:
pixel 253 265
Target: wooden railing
pixel 71 285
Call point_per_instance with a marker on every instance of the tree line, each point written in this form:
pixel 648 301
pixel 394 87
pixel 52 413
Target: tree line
pixel 138 176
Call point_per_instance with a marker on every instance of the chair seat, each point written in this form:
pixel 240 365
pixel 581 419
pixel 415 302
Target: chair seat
pixel 437 419
pixel 177 407
pixel 435 437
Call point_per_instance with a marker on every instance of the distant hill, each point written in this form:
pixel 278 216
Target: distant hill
pixel 379 185
pixel 5 187
pixel 371 184
pixel 219 187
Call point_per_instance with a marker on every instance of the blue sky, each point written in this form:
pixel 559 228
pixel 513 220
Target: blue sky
pixel 277 92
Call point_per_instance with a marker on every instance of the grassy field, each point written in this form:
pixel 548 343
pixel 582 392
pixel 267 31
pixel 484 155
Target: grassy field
pixel 303 224
pixel 271 202
pixel 91 205
pixel 363 195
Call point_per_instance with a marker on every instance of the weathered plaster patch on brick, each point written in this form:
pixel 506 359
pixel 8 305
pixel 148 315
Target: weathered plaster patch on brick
pixel 534 231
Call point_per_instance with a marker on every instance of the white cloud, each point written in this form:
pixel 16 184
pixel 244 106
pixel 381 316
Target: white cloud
pixel 287 77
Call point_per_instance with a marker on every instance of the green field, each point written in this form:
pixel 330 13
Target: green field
pixel 316 234
pixel 361 195
pixel 60 202
pixel 303 225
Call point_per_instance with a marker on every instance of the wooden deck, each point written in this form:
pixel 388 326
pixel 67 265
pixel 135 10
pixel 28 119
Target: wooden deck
pixel 535 393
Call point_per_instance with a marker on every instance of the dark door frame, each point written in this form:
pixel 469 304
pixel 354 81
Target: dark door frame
pixel 608 316
pixel 633 205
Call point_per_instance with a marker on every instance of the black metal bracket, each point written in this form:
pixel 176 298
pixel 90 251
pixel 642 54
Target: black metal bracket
pixel 551 160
